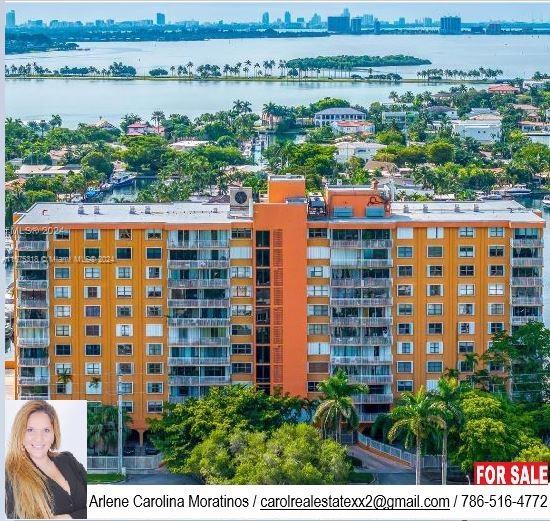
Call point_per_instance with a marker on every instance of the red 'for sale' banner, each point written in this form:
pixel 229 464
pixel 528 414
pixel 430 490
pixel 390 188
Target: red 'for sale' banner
pixel 510 473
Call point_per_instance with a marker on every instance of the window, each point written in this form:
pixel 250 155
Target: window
pixel 153 311
pixel 404 271
pixel 465 309
pixel 466 251
pixel 241 233
pixel 123 291
pixel 435 328
pixel 466 328
pixel 262 238
pixel 464 366
pixel 318 252
pixel 241 272
pixel 465 347
pixel 124 349
pixel 62 330
pixel 123 253
pixel 467 232
pixel 154 368
pixel 466 270
pixel 312 387
pixel 153 253
pixel 241 368
pixel 61 311
pixel 124 272
pixel 495 327
pixel 404 367
pixel 154 407
pixel 317 367
pixel 318 348
pixel 435 233
pixel 435 290
pixel 241 329
pixel 154 349
pixel 92 330
pixel 153 330
pixel 434 367
pixel 466 290
pixel 496 251
pixel 404 386
pixel 435 271
pixel 404 348
pixel 317 233
pixel 317 329
pixel 154 291
pixel 496 289
pixel 434 309
pixel 62 291
pixel 152 272
pixel 124 330
pixel 92 273
pixel 405 309
pixel 405 233
pixel 435 251
pixel 92 368
pixel 62 253
pixel 317 272
pixel 63 349
pixel 91 234
pixel 241 349
pixel 405 328
pixel 124 311
pixel 153 235
pixel 316 310
pixel 61 235
pixel 63 369
pixel 154 388
pixel 92 291
pixel 123 368
pixel 92 311
pixel 317 291
pixel 404 252
pixel 241 252
pixel 128 406
pixel 434 348
pixel 123 234
pixel 496 270
pixel 92 253
pixel 404 290
pixel 126 387
pixel 62 273
pixel 496 232
pixel 496 309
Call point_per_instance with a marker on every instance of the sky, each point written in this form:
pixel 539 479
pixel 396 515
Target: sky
pixel 205 11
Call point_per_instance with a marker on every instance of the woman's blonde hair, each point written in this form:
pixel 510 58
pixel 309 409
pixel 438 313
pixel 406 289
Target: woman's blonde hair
pixel 32 499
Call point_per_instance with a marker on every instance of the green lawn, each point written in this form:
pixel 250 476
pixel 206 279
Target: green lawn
pixel 97 479
pixel 360 477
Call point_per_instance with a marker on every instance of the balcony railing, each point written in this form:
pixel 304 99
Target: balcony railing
pixel 198 283
pixel 362 341
pixel 526 301
pixel 198 380
pixel 527 243
pixel 34 397
pixel 368 417
pixel 32 264
pixel 33 322
pixel 214 341
pixel 527 261
pixel 32 245
pixel 361 360
pixel 373 398
pixel 371 379
pixel 519 321
pixel 362 243
pixel 362 283
pixel 33 380
pixel 177 361
pixel 198 322
pixel 198 303
pixel 362 321
pixel 33 362
pixel 526 281
pixel 32 284
pixel 180 399
pixel 362 263
pixel 197 244
pixel 377 243
pixel 182 264
pixel 361 302
pixel 32 342
pixel 33 303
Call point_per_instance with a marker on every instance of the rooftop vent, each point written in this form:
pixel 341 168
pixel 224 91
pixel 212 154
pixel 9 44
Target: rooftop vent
pixel 132 209
pixel 457 208
pixel 425 208
pixel 215 210
pixel 81 209
pixel 148 209
pixel 476 207
pixel 406 208
pixel 96 210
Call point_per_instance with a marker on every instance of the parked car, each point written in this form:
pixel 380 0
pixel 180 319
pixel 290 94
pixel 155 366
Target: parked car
pixel 150 450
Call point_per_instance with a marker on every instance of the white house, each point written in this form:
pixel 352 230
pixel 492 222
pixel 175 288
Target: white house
pixel 360 149
pixel 482 130
pixel 28 171
pixel 539 137
pixel 327 116
pixel 352 127
pixel 187 144
pixel 438 111
pixel 399 117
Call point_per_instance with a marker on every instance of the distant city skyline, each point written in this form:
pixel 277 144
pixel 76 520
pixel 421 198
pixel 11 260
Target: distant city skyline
pixel 252 11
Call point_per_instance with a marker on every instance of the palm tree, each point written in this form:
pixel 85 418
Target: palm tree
pixel 447 399
pixel 172 69
pixel 336 405
pixel 103 426
pixel 157 117
pixel 416 416
pixel 189 66
pixel 55 121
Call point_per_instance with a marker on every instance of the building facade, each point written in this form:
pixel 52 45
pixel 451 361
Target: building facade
pixel 172 299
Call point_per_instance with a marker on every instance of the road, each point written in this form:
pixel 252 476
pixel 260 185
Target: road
pixel 160 477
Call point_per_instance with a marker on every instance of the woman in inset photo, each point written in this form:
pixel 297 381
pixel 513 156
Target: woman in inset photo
pixel 42 483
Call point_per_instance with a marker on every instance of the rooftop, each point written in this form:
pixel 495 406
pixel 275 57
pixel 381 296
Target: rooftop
pixel 340 110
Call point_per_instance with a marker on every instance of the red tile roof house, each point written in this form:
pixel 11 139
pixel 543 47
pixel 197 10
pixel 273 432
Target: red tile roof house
pixel 502 89
pixel 142 129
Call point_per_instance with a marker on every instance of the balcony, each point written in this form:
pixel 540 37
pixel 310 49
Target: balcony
pixel 25 264
pixel 33 322
pixel 32 342
pixel 213 341
pixel 361 302
pixel 180 399
pixel 377 243
pixel 526 301
pixel 377 321
pixel 362 341
pixel 519 321
pixel 33 362
pixel 34 397
pixel 33 380
pixel 33 303
pixel 198 322
pixel 183 264
pixel 198 303
pixel 368 417
pixel 361 321
pixel 195 245
pixel 373 398
pixel 527 243
pixel 519 262
pixel 31 245
pixel 361 360
pixel 371 379
pixel 362 263
pixel 377 282
pixel 352 243
pixel 362 283
pixel 198 283
pixel 526 281
pixel 362 243
pixel 199 380
pixel 177 361
pixel 32 284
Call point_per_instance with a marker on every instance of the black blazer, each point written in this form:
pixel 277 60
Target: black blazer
pixel 74 503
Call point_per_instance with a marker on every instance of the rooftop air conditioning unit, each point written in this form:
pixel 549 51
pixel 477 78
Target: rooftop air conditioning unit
pixel 81 209
pixel 147 209
pixel 425 208
pixel 240 198
pixel 132 209
pixel 406 208
pixel 96 210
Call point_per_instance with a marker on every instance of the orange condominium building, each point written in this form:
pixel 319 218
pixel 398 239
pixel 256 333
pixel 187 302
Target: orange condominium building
pixel 172 299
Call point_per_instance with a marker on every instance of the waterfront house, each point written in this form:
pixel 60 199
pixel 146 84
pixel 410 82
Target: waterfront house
pixel 142 129
pixel 542 137
pixel 384 167
pixel 484 128
pixel 346 150
pixel 534 126
pixel 400 118
pixel 28 171
pixel 105 125
pixel 327 116
pixel 187 144
pixel 353 127
pixel 503 88
pixel 438 111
